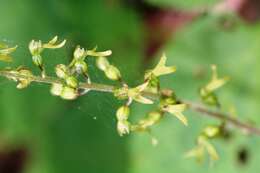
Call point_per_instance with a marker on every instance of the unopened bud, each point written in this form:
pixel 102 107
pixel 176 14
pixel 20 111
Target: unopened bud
pixel 80 67
pixel 123 127
pixel 23 83
pixel 56 89
pixel 122 113
pixel 35 47
pixel 113 73
pixel 72 81
pixel 155 116
pixel 69 93
pixel 61 71
pixel 37 60
pixel 102 63
pixel 79 53
pixel 211 131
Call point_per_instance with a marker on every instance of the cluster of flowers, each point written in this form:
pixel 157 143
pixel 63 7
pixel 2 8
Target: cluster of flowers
pixel 67 87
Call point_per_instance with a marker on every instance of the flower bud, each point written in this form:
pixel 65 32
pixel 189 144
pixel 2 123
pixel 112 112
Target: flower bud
pixel 123 127
pixel 208 98
pixel 79 53
pixel 71 81
pixel 112 73
pixel 61 71
pixel 122 113
pixel 37 60
pixel 56 89
pixel 211 131
pixel 23 83
pixel 102 63
pixel 155 116
pixel 35 47
pixel 80 67
pixel 69 93
pixel 121 93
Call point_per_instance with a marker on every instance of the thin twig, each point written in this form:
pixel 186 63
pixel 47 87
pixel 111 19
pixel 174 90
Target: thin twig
pixel 248 128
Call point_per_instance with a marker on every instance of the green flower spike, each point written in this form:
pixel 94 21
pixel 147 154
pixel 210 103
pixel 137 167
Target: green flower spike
pixel 5 51
pixel 36 48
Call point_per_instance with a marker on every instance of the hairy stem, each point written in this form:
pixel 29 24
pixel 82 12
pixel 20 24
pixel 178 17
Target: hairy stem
pixel 245 127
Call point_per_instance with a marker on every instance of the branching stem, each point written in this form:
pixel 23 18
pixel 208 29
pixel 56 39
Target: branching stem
pixel 245 127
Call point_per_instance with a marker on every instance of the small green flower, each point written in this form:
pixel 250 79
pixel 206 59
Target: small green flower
pixel 71 81
pixel 79 53
pixel 207 92
pixel 69 93
pixel 123 127
pixel 144 124
pixel 110 71
pixel 93 52
pixel 177 110
pixel 102 63
pixel 136 94
pixel 160 69
pixel 113 73
pixel 56 89
pixel 211 131
pixel 36 48
pixel 61 71
pixel 203 145
pixel 123 113
pixel 23 82
pixel 215 82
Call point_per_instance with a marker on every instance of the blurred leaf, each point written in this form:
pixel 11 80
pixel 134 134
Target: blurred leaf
pixel 199 45
pixel 185 4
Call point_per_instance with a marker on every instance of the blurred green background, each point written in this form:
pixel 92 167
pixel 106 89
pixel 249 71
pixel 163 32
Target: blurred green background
pixel 40 133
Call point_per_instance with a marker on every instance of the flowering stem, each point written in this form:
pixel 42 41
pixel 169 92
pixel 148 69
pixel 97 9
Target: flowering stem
pixel 246 127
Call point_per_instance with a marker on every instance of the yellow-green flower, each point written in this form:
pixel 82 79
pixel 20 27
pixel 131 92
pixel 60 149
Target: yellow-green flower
pixel 177 110
pixel 160 69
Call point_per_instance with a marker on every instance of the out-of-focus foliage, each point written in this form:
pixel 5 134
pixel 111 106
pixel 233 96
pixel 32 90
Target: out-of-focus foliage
pixel 195 48
pixel 185 4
